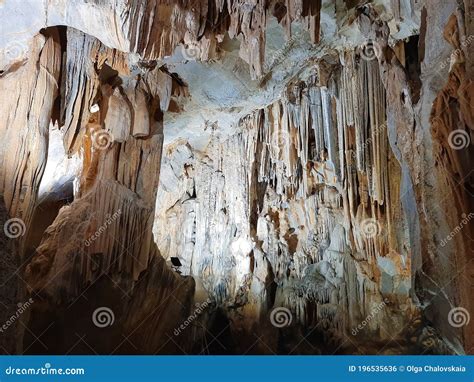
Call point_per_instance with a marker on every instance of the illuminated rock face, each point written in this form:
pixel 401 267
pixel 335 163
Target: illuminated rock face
pixel 237 177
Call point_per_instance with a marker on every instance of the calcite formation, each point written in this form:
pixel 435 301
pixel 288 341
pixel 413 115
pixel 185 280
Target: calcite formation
pixel 237 177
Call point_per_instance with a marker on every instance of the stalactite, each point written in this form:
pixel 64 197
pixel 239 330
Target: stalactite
pixel 81 87
pixel 300 144
pixel 204 25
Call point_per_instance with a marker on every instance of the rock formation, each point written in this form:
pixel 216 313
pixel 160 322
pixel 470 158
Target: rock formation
pixel 237 177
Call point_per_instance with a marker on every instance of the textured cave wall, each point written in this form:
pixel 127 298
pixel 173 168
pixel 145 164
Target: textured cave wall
pixel 101 245
pixel 324 181
pixel 449 263
pixel 336 199
pixel 32 88
pixel 10 285
pixel 297 211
